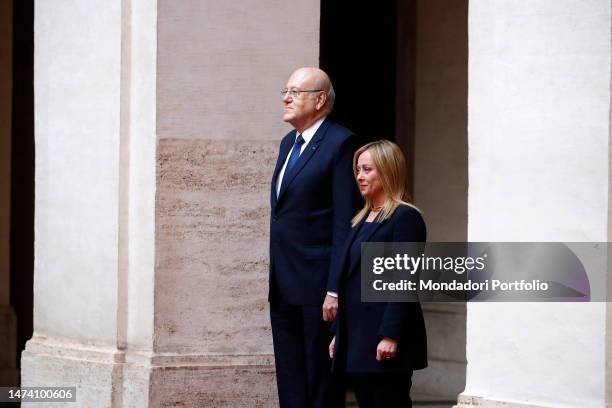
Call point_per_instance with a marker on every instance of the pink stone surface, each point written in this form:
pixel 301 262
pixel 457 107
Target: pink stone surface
pixel 222 64
pixel 212 246
pixel 231 387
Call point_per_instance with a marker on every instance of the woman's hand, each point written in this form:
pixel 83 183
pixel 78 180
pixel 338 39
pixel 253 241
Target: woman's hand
pixel 386 350
pixel 331 347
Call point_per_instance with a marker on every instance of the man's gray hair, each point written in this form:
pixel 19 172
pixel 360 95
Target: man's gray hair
pixel 324 83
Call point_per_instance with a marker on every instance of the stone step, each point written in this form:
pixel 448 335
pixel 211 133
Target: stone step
pixel 418 401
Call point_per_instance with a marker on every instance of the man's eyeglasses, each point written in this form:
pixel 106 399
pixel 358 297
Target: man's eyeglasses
pixel 295 93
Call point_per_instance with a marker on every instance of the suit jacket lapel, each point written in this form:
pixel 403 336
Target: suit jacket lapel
pixel 347 245
pixel 308 152
pixel 372 231
pixel 282 157
pixel 354 265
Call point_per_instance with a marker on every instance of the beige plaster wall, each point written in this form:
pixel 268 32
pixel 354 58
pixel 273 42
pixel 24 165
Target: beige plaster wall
pixel 138 175
pixel 432 125
pixel 221 66
pixel 440 118
pixel 77 64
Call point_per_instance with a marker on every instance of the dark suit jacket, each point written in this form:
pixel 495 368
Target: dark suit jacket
pixel 360 326
pixel 311 217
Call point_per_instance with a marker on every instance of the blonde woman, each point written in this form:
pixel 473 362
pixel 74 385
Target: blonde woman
pixel 378 345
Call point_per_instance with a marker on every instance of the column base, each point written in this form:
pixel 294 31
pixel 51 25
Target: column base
pixel 469 401
pixel 54 363
pixel 108 377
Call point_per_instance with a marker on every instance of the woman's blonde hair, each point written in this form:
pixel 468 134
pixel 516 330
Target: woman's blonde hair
pixel 391 168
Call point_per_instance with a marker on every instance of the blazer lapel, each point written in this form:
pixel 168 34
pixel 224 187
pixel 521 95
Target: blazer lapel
pixel 308 152
pixel 282 157
pixel 366 238
pixel 347 245
pixel 372 231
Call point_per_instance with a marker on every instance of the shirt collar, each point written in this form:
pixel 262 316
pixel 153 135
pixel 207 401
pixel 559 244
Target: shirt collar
pixel 307 134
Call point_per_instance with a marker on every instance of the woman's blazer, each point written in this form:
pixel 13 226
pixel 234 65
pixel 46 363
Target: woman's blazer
pixel 360 326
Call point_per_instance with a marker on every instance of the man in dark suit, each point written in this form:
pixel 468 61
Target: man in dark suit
pixel 313 198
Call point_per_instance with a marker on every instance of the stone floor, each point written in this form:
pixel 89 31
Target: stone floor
pixel 418 401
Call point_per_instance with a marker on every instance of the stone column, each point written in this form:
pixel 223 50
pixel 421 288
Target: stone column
pixel 9 374
pixel 157 127
pixel 539 148
pixel 77 127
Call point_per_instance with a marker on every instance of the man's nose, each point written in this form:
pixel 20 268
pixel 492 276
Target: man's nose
pixel 287 97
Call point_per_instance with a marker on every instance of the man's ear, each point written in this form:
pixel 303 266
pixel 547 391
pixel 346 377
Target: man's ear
pixel 321 99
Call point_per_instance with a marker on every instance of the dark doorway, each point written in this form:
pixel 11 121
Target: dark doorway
pixel 22 172
pixel 400 72
pixel 358 50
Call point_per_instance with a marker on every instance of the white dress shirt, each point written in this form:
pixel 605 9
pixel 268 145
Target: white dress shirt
pixel 307 136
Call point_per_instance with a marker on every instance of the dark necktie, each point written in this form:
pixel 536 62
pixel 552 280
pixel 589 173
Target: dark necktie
pixel 293 158
pixel 295 153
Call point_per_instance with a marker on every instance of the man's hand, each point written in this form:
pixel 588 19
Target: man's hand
pixel 330 308
pixel 386 350
pixel 331 347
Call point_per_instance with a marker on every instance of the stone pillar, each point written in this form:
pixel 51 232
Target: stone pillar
pixel 157 128
pixel 9 375
pixel 95 200
pixel 539 143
